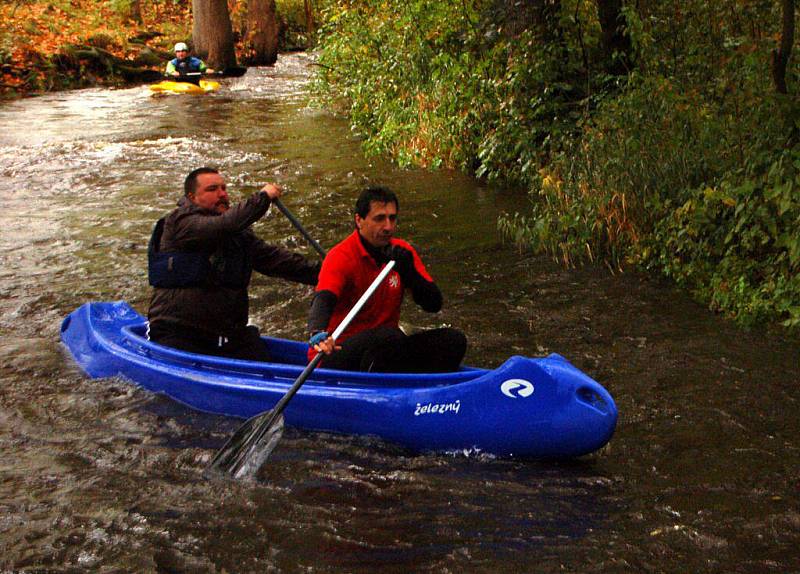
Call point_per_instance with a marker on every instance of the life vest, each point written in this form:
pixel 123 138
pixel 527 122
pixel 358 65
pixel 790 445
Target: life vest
pixel 228 266
pixel 190 64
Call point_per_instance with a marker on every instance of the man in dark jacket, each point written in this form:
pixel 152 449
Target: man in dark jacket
pixel 200 260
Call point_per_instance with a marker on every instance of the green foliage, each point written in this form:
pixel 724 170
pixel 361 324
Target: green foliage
pixel 737 244
pixel 534 104
pixel 618 168
pixel 293 14
pixel 438 83
pixel 603 191
pixel 6 47
pixel 664 141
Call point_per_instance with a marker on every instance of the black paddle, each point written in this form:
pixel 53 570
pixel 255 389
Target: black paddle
pixel 193 77
pixel 251 445
pixel 279 204
pixel 187 77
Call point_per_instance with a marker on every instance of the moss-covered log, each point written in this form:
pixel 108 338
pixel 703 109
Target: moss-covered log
pixel 97 62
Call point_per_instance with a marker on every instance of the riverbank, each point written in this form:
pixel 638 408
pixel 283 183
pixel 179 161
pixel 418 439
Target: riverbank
pixel 673 153
pixel 66 44
pixel 63 44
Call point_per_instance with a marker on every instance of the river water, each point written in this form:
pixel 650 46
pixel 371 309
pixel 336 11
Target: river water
pixel 703 474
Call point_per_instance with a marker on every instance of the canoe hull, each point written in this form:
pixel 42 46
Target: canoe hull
pixel 526 407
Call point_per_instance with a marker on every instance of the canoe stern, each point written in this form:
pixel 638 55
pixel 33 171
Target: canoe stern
pixel 88 331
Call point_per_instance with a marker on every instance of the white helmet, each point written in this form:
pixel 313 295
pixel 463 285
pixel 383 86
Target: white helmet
pixel 181 46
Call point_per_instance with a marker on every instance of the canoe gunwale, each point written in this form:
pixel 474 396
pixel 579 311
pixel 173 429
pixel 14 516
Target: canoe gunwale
pixel 132 344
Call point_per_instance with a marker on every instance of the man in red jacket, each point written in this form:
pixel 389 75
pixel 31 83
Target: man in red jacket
pixel 373 341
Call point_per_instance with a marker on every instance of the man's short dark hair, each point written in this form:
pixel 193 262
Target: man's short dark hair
pixel 190 183
pixel 374 193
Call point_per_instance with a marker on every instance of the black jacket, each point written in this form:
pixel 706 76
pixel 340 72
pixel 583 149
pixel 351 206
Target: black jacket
pixel 217 310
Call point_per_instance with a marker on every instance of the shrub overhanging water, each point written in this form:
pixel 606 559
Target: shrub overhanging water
pixel 688 164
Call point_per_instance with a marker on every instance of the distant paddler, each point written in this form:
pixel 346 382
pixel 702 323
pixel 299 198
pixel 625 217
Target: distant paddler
pixel 186 67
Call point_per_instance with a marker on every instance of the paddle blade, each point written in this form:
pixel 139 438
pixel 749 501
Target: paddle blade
pixel 258 453
pixel 248 449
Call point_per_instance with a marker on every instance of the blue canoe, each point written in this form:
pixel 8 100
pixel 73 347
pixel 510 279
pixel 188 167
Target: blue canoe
pixel 525 407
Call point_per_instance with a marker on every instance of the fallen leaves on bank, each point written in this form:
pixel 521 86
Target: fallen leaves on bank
pixel 73 43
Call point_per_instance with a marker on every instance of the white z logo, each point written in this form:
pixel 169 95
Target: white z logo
pixel 517 388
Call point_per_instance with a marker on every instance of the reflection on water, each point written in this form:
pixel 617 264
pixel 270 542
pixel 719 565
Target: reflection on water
pixel 101 476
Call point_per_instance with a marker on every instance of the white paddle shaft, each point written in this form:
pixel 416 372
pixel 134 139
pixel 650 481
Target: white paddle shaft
pixel 360 303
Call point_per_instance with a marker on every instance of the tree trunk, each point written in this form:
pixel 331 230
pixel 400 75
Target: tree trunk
pixel 309 21
pixel 539 16
pixel 780 57
pixel 212 33
pixel 200 22
pixel 261 41
pixel 136 11
pixel 616 44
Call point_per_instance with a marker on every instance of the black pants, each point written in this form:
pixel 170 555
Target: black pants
pixel 389 350
pixel 246 344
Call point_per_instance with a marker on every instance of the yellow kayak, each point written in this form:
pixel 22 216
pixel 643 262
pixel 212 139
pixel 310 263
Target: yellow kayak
pixel 185 87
